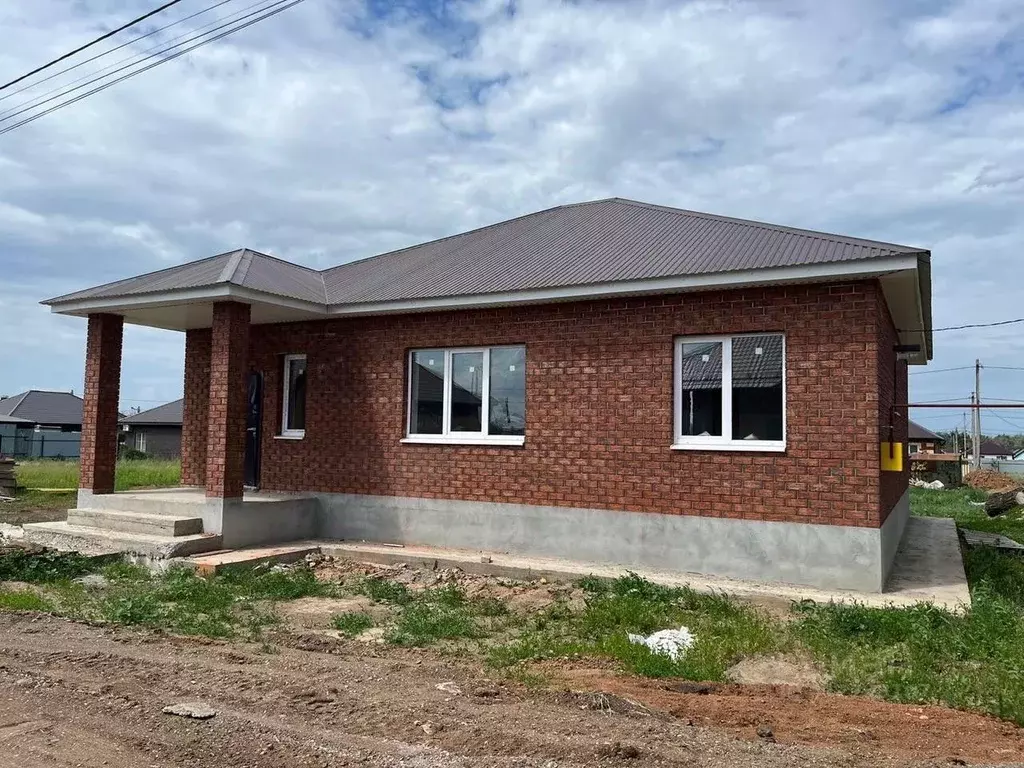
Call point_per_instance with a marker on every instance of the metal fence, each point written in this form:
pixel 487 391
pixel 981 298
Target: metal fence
pixel 1007 467
pixel 41 445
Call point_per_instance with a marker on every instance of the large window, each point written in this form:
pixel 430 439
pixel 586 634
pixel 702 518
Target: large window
pixel 467 395
pixel 730 393
pixel 293 400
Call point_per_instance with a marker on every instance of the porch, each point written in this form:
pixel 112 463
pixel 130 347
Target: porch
pixel 176 522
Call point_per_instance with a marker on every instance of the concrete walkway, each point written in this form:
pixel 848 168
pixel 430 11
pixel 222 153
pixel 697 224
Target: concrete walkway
pixel 928 568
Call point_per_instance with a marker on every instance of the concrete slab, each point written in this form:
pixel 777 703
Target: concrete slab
pixel 211 562
pixel 96 541
pixel 929 565
pixel 929 568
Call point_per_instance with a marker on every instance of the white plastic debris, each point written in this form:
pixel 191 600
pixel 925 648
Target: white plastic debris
pixel 668 642
pixel 935 485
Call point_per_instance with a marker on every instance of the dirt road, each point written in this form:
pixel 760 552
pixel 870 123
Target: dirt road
pixel 74 695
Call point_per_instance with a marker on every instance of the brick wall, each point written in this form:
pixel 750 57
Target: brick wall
pixel 195 419
pixel 892 389
pixel 225 443
pixel 98 450
pixel 599 407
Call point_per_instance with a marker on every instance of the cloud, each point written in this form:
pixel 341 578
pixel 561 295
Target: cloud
pixel 340 129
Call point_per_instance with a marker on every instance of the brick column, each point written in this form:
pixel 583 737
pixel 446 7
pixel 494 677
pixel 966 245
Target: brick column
pixel 99 409
pixel 225 440
pixel 196 416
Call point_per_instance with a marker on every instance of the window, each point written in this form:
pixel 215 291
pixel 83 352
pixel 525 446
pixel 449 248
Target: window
pixel 293 401
pixel 730 393
pixel 140 442
pixel 467 396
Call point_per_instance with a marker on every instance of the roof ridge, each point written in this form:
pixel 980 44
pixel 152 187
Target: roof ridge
pixel 283 261
pixel 154 408
pixel 815 233
pixel 21 398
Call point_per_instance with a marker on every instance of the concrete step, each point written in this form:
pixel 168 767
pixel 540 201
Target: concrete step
pixel 148 502
pixel 98 541
pixel 135 522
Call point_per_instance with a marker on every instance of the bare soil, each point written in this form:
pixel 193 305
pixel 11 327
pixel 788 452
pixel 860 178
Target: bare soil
pixel 72 694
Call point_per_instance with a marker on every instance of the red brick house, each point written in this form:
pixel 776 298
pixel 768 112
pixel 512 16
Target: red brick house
pixel 609 381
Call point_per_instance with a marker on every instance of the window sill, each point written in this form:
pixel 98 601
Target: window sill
pixel 291 436
pixel 510 440
pixel 737 447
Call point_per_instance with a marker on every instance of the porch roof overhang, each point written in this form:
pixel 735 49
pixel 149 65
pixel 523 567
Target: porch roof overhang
pixel 905 280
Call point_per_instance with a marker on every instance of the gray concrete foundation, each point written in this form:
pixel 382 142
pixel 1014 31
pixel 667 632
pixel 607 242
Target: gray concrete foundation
pixel 825 556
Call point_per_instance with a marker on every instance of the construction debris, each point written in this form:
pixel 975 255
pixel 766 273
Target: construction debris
pixel 193 709
pixel 7 482
pixel 989 480
pixel 668 642
pixel 934 485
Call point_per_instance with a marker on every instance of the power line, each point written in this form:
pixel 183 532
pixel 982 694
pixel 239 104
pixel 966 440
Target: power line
pixel 134 40
pixel 1003 418
pixel 173 56
pixel 81 48
pixel 64 90
pixel 1002 368
pixel 138 58
pixel 944 370
pixel 961 327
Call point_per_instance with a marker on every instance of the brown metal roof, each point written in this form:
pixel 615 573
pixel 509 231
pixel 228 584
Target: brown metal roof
pixel 603 241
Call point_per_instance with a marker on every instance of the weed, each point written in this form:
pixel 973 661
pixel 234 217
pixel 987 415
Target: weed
pixel 23 600
pixel 352 624
pixel 923 654
pixel 593 584
pixel 43 567
pixel 726 631
pixel 425 622
pixel 384 591
pixel 261 583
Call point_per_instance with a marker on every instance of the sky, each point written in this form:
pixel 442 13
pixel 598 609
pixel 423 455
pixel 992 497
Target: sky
pixel 340 129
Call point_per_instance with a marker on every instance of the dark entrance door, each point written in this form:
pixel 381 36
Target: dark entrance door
pixel 253 421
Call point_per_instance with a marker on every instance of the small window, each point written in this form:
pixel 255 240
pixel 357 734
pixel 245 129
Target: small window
pixel 140 442
pixel 293 406
pixel 730 393
pixel 467 395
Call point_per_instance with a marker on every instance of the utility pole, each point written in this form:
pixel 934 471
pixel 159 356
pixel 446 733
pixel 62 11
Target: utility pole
pixel 977 414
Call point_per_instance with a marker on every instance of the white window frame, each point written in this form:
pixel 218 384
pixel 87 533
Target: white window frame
pixel 447 436
pixel 290 434
pixel 723 442
pixel 140 441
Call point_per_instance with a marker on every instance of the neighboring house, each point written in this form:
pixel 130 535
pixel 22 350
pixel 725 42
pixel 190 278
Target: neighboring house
pixel 609 382
pixel 156 432
pixel 993 449
pixel 922 440
pixel 41 423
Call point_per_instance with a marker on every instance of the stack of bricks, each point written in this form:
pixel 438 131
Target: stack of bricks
pixel 7 481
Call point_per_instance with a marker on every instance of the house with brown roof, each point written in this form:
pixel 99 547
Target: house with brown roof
pixel 612 382
pixel 923 440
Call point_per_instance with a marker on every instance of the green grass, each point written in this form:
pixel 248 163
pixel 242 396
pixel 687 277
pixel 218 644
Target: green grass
pixel 352 624
pixel 384 591
pixel 238 603
pixel 49 566
pixel 924 654
pixel 142 473
pixel 726 630
pixel 955 503
pixel 23 600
